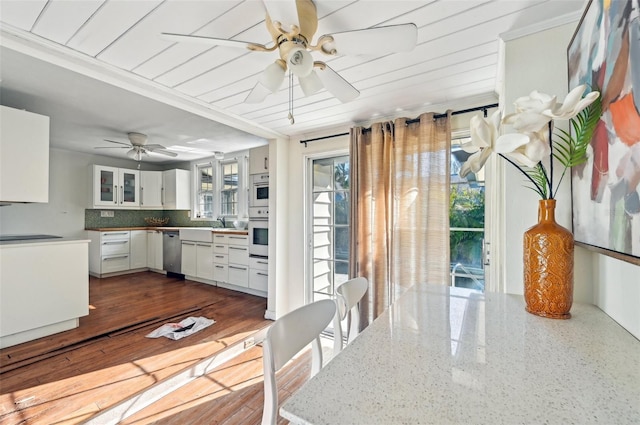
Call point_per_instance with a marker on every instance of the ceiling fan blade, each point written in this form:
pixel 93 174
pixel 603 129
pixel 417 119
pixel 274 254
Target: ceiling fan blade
pixel 258 94
pixel 374 41
pixel 283 11
pixel 310 84
pixel 153 147
pixel 112 147
pixel 211 41
pixel 336 85
pixel 307 18
pixel 164 152
pixel 119 143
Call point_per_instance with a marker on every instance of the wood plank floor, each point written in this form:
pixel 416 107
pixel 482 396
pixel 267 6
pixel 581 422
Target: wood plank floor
pixel 68 377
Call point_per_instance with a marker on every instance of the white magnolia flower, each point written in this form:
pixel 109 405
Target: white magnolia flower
pixel 572 105
pixel 533 148
pixel 485 141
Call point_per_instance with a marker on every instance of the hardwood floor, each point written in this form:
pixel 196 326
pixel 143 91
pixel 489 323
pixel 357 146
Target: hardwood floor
pixel 69 377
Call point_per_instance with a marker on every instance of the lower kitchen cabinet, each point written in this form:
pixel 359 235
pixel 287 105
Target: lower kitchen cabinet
pixel 259 274
pixel 231 259
pixel 154 250
pixel 109 252
pixel 204 260
pixel 138 249
pixel 197 259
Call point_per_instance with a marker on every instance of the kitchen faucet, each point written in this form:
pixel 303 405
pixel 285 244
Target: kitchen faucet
pixel 222 220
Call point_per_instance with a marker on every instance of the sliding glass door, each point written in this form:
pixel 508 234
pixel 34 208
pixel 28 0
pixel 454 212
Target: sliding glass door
pixel 328 225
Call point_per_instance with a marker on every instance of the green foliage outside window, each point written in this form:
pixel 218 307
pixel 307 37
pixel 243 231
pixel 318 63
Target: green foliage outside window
pixel 466 210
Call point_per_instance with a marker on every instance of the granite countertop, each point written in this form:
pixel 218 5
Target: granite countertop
pixel 443 355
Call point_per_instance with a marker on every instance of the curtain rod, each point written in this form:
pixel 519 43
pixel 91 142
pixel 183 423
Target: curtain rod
pixel 463 111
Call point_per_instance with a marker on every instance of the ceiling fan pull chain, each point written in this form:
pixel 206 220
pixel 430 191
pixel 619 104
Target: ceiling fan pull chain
pixel 291 119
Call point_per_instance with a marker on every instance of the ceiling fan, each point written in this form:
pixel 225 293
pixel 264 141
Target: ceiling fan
pixel 138 147
pixel 294 46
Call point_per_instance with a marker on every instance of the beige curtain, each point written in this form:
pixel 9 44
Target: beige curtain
pixel 399 207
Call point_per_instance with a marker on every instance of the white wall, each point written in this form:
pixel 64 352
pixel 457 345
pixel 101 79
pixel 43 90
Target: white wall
pixel 538 61
pixel 69 186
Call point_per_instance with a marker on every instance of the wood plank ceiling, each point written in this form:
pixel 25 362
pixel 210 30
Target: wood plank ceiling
pixel 455 62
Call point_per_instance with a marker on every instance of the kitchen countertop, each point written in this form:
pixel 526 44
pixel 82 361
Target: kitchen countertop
pixel 59 241
pixel 167 229
pixel 443 355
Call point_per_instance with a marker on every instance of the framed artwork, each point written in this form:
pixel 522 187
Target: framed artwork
pixel 605 54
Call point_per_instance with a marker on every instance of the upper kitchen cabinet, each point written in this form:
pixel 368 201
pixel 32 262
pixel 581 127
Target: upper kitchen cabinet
pixel 151 189
pixel 24 156
pixel 176 191
pixel 259 160
pixel 115 187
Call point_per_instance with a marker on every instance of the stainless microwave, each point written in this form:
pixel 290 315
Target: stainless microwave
pixel 259 190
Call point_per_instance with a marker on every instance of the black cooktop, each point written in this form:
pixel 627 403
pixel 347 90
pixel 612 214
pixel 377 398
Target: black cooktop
pixel 26 237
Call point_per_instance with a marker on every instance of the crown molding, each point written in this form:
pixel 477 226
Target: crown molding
pixel 541 26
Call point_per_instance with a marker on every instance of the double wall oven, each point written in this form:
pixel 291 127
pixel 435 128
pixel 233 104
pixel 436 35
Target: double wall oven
pixel 259 216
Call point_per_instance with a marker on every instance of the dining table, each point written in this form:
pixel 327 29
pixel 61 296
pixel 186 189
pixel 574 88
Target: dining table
pixel 449 355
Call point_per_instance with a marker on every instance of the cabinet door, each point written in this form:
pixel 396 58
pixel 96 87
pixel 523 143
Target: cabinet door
pixel 258 280
pixel 238 255
pixel 189 258
pixel 239 275
pixel 259 160
pixel 154 250
pixel 24 162
pixel 204 261
pixel 138 247
pixel 151 189
pixel 129 190
pixel 176 189
pixel 105 186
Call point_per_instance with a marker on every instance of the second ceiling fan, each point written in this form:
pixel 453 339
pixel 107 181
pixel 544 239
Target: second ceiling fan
pixel 292 25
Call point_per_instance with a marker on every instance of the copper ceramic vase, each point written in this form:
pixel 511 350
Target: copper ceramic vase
pixel 548 265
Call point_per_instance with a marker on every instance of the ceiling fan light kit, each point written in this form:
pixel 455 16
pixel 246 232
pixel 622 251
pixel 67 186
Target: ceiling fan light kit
pixel 294 47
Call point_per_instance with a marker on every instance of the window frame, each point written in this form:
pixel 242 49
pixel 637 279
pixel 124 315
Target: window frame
pixel 242 159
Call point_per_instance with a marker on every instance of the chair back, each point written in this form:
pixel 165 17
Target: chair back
pixel 347 297
pixel 285 338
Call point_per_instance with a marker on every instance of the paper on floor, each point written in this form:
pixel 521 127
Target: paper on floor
pixel 184 328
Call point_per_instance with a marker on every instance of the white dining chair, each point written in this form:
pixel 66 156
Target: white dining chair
pixel 348 295
pixel 285 338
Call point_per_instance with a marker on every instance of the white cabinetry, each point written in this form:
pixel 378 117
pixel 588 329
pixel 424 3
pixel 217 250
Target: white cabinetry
pixel 115 187
pixel 220 258
pixel 108 252
pixel 154 250
pixel 197 260
pixel 188 266
pixel 44 287
pixel 176 189
pixel 231 259
pixel 24 156
pixel 259 160
pixel 151 189
pixel 138 249
pixel 259 274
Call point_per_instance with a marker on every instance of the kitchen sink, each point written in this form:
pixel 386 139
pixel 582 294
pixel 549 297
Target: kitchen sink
pixel 197 234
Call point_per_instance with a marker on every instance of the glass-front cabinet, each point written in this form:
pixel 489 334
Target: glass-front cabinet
pixel 115 187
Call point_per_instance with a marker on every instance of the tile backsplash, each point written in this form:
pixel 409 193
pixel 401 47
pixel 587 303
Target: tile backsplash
pixel 135 218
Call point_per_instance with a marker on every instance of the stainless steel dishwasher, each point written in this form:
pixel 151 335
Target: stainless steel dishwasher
pixel 172 252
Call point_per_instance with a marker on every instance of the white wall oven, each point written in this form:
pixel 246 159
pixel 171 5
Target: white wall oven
pixel 259 190
pixel 258 232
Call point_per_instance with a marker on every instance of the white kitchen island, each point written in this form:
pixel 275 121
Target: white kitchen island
pixel 44 288
pixel 444 355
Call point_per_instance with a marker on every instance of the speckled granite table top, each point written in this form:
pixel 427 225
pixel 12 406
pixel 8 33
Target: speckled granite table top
pixel 444 355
